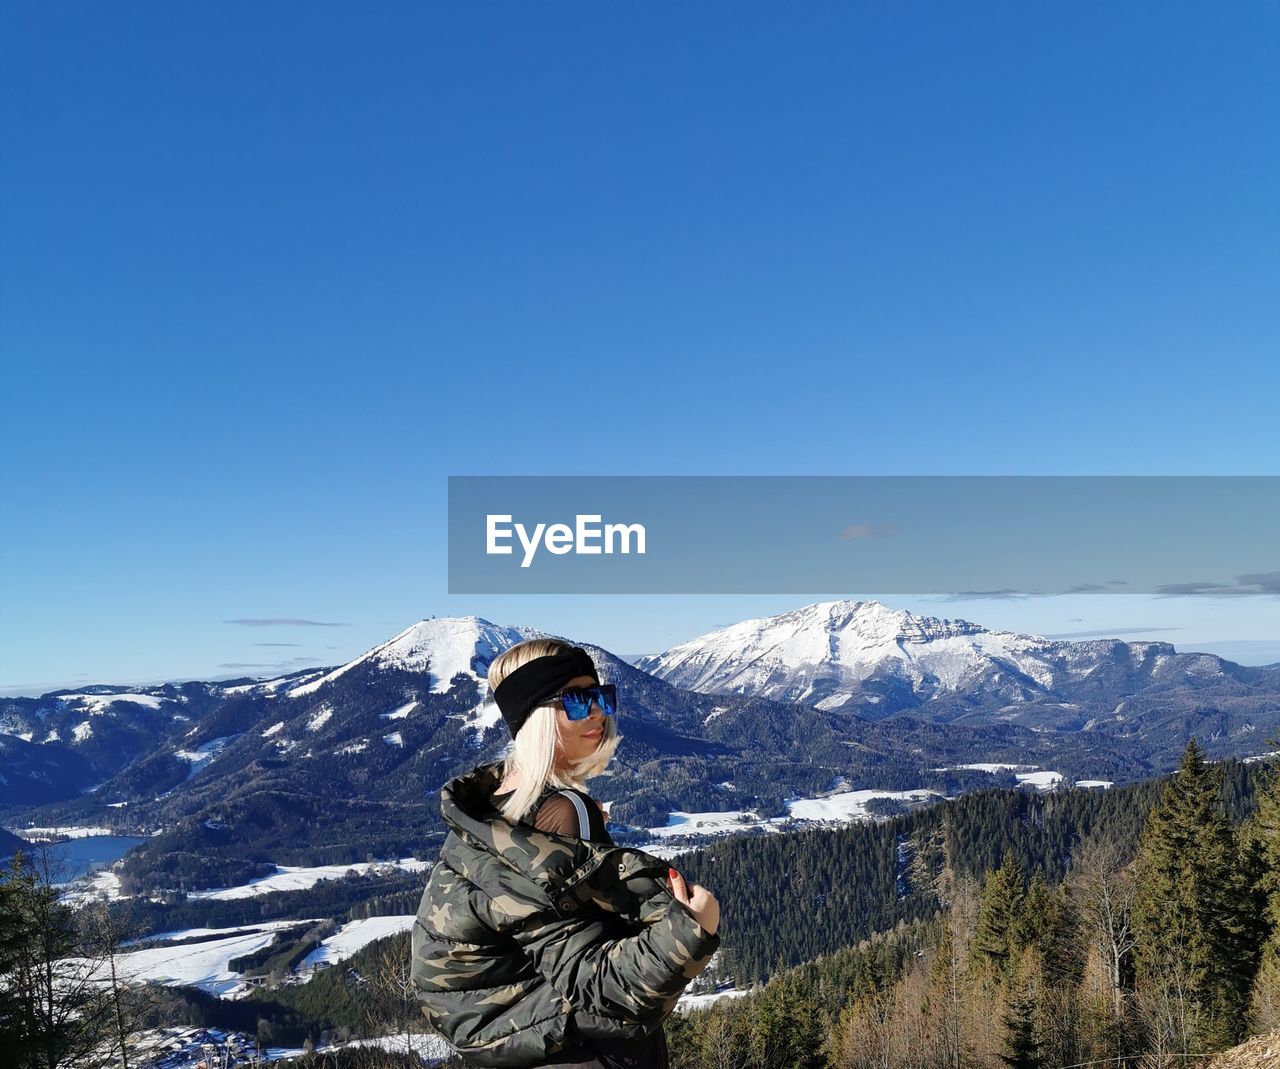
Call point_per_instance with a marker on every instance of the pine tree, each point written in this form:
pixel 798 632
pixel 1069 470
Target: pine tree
pixel 1035 916
pixel 1192 911
pixel 1000 916
pixel 16 935
pixel 53 1013
pixel 787 1031
pixel 1022 1049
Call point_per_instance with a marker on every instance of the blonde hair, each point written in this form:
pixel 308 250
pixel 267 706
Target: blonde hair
pixel 533 750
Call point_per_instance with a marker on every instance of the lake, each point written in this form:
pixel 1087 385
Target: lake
pixel 78 857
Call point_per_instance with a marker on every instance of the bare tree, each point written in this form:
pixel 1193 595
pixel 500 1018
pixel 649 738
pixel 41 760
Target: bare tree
pixel 721 1044
pixel 1104 890
pixel 951 968
pixel 104 929
pixel 396 1002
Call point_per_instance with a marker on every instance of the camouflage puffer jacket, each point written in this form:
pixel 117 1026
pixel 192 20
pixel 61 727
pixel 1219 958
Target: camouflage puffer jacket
pixel 528 942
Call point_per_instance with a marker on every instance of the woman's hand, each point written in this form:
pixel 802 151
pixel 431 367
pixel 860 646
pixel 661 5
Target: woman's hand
pixel 701 902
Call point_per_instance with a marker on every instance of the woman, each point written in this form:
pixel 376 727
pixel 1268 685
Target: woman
pixel 538 941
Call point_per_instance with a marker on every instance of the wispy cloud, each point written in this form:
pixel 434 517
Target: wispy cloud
pixel 869 530
pixel 1108 632
pixel 1252 585
pixel 293 644
pixel 1010 594
pixel 281 621
pixel 283 666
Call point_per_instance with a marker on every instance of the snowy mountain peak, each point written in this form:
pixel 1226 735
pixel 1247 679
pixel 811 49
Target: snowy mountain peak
pixel 444 646
pixel 825 653
pixel 870 621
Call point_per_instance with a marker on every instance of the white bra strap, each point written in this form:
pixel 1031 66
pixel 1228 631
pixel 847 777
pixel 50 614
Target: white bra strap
pixel 584 821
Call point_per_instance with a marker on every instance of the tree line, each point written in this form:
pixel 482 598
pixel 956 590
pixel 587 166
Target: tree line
pixel 1151 954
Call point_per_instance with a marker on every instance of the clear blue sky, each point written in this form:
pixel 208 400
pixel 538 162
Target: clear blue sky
pixel 270 272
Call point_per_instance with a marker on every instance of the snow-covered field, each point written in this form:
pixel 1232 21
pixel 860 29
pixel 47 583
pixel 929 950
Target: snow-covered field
pixel 730 820
pixel 984 766
pixel 1041 781
pixel 849 806
pixel 204 964
pixel 352 937
pixel 1028 775
pixel 101 884
pixel 299 878
pixel 213 933
pixel 844 807
pixel 698 1002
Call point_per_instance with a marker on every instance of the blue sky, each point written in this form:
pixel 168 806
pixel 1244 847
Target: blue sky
pixel 270 273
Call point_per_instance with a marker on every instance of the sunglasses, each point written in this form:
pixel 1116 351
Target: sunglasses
pixel 577 701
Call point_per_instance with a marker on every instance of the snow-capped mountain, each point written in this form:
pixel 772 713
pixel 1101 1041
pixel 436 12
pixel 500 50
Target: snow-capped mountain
pixel 865 657
pixel 331 763
pixel 829 653
pixel 443 648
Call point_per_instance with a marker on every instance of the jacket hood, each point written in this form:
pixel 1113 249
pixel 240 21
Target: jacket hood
pixel 480 834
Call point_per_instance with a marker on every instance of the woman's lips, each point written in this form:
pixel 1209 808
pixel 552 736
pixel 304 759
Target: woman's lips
pixel 593 734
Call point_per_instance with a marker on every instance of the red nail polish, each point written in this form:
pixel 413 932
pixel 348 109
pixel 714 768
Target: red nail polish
pixel 673 874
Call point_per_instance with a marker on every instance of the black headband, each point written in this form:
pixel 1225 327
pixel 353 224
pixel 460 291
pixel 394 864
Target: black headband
pixel 533 683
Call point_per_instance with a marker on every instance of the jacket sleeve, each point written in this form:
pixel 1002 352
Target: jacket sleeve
pixel 635 978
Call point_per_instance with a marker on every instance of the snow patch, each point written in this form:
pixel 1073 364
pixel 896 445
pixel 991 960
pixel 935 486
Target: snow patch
pixel 202 755
pixel 352 937
pixel 299 878
pixel 698 1002
pixel 96 886
pixel 481 718
pixel 97 704
pixel 322 717
pixel 1042 781
pixel 849 806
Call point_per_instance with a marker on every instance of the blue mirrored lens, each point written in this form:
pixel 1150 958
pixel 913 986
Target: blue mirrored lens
pixel 577 702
